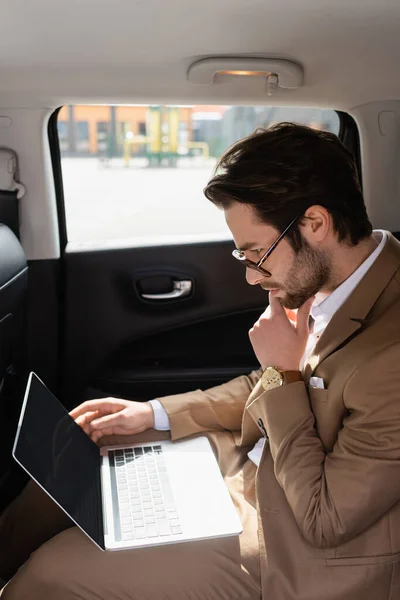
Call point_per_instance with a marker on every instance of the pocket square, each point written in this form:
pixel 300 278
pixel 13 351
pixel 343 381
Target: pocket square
pixel 317 382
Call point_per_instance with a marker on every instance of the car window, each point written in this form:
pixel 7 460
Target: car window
pixel 137 172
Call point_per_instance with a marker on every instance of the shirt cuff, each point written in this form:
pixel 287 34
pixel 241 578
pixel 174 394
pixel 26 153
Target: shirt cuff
pixel 161 419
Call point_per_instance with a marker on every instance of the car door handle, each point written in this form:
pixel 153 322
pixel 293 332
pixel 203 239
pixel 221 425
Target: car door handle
pixel 181 289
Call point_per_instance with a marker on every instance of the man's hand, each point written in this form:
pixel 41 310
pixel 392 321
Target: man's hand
pixel 112 416
pixel 277 340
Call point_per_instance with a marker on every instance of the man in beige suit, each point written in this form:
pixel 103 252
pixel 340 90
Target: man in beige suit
pixel 309 445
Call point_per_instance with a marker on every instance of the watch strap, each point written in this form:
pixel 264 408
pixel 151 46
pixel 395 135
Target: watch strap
pixel 291 376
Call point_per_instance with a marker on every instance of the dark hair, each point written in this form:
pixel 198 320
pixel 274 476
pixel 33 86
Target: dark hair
pixel 282 171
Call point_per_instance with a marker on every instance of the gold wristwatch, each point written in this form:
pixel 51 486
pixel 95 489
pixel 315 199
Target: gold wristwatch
pixel 273 377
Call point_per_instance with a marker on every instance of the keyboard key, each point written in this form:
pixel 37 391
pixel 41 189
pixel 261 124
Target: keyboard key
pixel 150 519
pixel 157 494
pixel 147 505
pixel 174 522
pixel 172 515
pixel 137 514
pixel 125 513
pixel 126 520
pixel 127 528
pixel 135 495
pixel 135 502
pixel 127 536
pixel 176 530
pixel 124 505
pixel 138 522
pixel 159 508
pixel 148 512
pixel 158 501
pixel 152 531
pixel 163 526
pixel 161 514
pixel 123 487
pixel 140 533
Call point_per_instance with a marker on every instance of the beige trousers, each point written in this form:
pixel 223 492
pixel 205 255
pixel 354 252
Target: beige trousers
pixel 56 561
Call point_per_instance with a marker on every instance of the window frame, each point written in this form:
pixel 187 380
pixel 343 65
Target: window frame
pixel 348 135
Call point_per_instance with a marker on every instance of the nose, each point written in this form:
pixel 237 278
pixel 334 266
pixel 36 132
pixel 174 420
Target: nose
pixel 253 277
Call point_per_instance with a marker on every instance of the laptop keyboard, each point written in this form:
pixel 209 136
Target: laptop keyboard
pixel 145 501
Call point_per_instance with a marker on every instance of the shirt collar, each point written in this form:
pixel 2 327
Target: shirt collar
pixel 324 311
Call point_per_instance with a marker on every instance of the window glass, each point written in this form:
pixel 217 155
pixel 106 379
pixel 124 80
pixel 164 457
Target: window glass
pixel 138 172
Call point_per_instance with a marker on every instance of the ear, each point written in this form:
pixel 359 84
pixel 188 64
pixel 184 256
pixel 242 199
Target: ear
pixel 317 225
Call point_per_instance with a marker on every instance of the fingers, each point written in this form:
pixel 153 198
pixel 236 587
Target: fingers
pixel 86 418
pixel 303 316
pixel 108 421
pixel 266 313
pixel 276 306
pixel 102 404
pixel 96 435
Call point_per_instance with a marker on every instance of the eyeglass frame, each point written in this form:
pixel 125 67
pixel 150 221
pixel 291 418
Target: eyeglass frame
pixel 241 257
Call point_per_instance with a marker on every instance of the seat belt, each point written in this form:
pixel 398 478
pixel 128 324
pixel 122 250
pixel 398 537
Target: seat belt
pixel 10 190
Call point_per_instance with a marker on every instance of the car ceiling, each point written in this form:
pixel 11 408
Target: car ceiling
pixel 140 50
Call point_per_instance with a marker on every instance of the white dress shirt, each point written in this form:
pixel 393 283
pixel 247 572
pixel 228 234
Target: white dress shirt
pixel 321 313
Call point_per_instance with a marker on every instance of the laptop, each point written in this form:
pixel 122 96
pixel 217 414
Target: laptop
pixel 123 497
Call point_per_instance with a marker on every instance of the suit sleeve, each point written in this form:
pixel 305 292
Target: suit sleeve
pixel 364 465
pixel 218 408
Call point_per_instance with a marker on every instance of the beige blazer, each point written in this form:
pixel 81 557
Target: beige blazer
pixel 328 484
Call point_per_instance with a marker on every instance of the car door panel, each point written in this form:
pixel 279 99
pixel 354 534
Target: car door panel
pixel 121 343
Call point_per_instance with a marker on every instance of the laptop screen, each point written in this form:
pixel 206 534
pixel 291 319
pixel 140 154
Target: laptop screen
pixel 61 458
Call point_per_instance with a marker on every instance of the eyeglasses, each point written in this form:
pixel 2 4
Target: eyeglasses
pixel 240 255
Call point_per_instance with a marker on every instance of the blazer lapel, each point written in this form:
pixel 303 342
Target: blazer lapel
pixel 353 314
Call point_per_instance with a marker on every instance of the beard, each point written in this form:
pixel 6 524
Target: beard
pixel 310 272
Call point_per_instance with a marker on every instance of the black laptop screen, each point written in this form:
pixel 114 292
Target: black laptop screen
pixel 61 458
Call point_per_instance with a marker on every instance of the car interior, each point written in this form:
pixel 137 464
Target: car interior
pixel 116 274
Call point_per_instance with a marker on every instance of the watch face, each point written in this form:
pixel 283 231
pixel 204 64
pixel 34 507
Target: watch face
pixel 271 378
